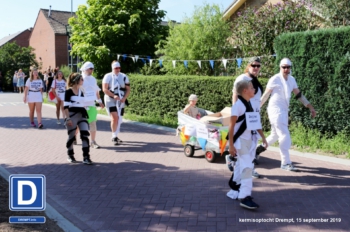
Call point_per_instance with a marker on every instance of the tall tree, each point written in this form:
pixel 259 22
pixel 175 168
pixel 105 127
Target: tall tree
pixel 14 57
pixel 203 36
pixel 106 28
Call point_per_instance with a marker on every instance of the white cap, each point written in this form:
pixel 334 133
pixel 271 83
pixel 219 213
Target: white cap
pixel 116 65
pixel 193 97
pixel 285 61
pixel 86 66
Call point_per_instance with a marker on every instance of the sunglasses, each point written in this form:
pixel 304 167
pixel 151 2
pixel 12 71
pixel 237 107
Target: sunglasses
pixel 286 67
pixel 255 65
pixel 117 68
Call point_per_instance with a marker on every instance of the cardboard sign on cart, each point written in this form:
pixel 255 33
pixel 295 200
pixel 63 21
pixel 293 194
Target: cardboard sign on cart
pixel 223 117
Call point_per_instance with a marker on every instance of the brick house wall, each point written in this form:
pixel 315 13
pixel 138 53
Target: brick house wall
pixel 23 38
pixel 61 44
pixel 43 41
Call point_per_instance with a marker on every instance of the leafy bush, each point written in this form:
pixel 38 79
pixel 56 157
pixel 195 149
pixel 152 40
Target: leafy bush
pixel 65 70
pixel 164 96
pixel 321 65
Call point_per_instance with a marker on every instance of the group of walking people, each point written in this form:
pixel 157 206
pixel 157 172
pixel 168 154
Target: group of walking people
pixel 76 99
pixel 248 97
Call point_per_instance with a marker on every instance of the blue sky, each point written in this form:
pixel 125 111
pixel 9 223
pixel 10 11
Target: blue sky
pixel 18 15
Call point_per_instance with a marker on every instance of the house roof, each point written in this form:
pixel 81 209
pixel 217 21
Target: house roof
pixel 235 5
pixel 58 20
pixel 9 37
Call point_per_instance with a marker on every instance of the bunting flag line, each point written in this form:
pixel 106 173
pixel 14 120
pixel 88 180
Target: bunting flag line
pixel 144 59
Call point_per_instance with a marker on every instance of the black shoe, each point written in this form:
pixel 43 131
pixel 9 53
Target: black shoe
pixel 87 160
pixel 258 151
pixel 248 203
pixel 116 141
pixel 71 159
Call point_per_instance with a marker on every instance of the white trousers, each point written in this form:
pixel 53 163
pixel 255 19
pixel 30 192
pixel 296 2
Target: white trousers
pixel 281 133
pixel 244 167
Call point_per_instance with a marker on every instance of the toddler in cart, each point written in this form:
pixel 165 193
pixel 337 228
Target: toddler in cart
pixel 191 109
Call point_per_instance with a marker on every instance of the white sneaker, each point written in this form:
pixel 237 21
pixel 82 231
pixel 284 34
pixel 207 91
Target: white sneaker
pixel 58 122
pixel 232 194
pixel 95 145
pixel 255 174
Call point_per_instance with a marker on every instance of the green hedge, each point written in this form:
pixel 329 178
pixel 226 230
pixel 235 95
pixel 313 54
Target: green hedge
pixel 321 66
pixel 164 96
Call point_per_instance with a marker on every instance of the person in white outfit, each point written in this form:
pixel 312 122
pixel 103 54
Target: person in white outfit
pixel 91 94
pixel 116 86
pixel 243 138
pixel 280 87
pixel 58 87
pixel 250 74
pixel 33 96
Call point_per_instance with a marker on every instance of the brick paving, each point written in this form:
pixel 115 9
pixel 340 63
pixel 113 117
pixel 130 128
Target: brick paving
pixel 147 184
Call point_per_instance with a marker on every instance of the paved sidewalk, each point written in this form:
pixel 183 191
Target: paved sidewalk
pixel 147 184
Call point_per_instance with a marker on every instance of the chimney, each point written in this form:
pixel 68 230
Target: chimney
pixel 50 11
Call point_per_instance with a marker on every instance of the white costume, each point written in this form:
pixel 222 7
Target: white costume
pixel 255 101
pixel 245 146
pixel 117 85
pixel 34 90
pixel 277 110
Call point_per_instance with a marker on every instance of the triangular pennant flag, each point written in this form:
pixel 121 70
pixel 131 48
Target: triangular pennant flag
pixel 239 62
pixel 160 63
pixel 186 63
pixel 124 57
pixel 224 61
pixel 149 57
pixel 211 63
pixel 202 142
pixel 183 132
pixel 136 57
pixel 133 59
pixel 199 63
pixel 174 63
pixel 150 62
pixel 118 57
pixel 223 140
pixel 143 60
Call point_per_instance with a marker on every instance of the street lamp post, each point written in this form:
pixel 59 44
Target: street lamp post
pixel 69 33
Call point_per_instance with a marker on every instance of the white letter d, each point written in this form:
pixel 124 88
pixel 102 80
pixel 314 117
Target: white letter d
pixel 20 192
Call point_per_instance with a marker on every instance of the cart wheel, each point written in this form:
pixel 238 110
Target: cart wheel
pixel 189 150
pixel 210 156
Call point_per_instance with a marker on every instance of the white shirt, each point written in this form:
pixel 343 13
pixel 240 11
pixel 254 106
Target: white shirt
pixel 255 101
pixel 35 85
pixel 239 109
pixel 90 85
pixel 278 99
pixel 60 86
